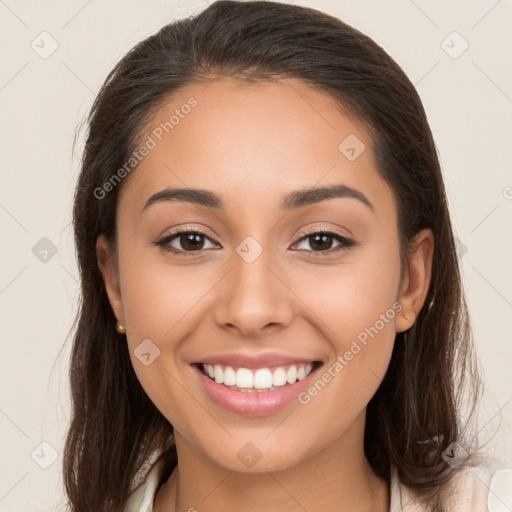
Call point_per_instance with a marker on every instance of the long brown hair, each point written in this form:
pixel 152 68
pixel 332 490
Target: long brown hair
pixel 414 415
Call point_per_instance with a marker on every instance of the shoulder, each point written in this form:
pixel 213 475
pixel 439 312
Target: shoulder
pixel 482 487
pixel 142 498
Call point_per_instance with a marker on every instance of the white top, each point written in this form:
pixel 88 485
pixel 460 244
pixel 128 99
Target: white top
pixel 473 489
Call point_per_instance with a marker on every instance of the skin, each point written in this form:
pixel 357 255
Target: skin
pixel 254 143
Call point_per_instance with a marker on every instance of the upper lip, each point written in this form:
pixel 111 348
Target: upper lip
pixel 263 360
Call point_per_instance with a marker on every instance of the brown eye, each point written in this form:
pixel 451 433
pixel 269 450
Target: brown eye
pixel 322 242
pixel 191 241
pixel 185 242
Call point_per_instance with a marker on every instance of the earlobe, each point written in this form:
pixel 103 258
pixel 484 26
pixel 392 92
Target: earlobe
pixel 418 275
pixel 106 263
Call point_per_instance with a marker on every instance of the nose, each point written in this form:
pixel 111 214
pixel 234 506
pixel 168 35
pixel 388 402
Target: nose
pixel 254 298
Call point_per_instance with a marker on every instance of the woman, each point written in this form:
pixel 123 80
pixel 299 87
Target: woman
pixel 272 315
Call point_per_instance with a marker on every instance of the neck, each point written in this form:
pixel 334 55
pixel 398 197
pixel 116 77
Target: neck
pixel 338 478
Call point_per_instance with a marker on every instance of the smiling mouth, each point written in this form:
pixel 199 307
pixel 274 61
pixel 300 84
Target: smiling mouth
pixel 257 380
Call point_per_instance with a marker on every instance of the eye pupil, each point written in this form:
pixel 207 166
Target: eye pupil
pixel 191 241
pixel 321 241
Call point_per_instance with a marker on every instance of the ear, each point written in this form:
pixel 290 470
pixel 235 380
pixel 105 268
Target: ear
pixel 416 280
pixel 107 265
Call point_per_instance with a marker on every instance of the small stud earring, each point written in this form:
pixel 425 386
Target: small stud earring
pixel 120 328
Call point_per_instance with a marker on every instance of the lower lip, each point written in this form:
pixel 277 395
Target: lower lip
pixel 256 403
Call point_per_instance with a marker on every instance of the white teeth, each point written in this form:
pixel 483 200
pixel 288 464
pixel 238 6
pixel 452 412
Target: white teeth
pixel 279 377
pixel 218 373
pixel 229 376
pixel 291 375
pixel 260 379
pixel 244 378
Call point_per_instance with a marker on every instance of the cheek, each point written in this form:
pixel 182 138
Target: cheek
pixel 158 303
pixel 357 305
pixel 158 298
pixel 351 297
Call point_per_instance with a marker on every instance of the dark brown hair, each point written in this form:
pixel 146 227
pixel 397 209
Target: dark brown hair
pixel 414 415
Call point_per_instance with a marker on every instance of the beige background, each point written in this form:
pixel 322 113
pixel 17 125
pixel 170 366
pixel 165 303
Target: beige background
pixel 469 104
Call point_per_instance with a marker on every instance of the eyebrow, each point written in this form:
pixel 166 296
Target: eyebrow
pixel 296 199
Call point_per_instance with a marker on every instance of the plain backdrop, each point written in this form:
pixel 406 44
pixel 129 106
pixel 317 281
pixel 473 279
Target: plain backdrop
pixel 55 56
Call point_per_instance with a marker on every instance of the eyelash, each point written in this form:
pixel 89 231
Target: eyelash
pixel 345 243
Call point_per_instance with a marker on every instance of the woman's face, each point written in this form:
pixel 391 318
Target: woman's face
pixel 270 282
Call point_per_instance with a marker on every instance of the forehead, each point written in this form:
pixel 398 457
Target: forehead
pixel 253 142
